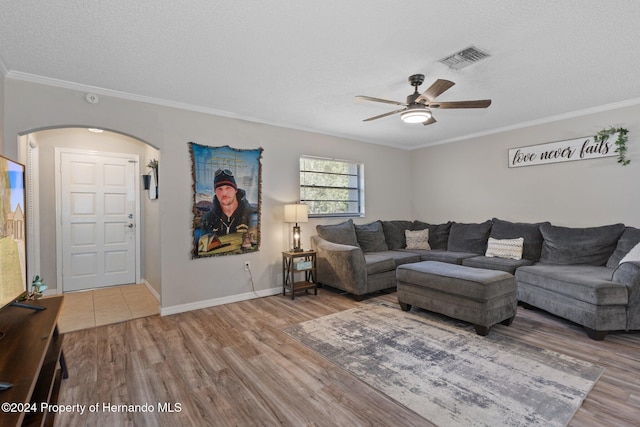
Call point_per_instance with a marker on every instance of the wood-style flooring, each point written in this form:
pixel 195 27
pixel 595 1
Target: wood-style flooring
pixel 231 365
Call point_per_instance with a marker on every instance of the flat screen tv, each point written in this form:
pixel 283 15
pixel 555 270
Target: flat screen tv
pixel 13 256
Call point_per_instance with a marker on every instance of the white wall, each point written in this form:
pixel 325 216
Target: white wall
pixel 469 181
pixel 187 283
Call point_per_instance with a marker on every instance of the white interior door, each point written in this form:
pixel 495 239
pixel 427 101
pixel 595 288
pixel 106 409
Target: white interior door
pixel 98 213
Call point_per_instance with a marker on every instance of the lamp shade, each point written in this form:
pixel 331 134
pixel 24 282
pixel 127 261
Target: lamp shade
pixel 296 213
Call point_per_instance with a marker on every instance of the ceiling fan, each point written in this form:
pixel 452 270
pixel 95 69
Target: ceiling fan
pixel 418 107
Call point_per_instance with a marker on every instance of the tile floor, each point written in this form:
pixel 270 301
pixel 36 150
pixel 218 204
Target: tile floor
pixel 87 309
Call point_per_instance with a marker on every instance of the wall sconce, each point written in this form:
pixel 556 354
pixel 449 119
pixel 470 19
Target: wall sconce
pixel 295 214
pixel 153 177
pixel 149 183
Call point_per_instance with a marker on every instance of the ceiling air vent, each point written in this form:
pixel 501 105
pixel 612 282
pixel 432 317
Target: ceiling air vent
pixel 464 58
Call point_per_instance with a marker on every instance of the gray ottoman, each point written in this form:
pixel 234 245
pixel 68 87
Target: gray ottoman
pixel 479 296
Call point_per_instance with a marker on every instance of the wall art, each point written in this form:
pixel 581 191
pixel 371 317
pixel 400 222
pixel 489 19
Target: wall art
pixel 227 193
pixel 562 151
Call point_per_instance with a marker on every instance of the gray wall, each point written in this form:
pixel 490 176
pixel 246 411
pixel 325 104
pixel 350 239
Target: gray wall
pixel 150 219
pixel 187 283
pixel 469 181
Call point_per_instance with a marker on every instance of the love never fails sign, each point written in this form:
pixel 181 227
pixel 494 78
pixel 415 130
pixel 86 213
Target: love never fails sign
pixel 562 151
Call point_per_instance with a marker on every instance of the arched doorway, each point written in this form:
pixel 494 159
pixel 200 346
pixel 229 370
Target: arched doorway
pixel 39 150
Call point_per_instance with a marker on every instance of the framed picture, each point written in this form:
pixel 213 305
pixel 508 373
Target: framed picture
pixel 13 264
pixel 226 200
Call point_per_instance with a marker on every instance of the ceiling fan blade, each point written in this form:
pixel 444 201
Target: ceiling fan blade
pixel 430 121
pixel 435 90
pixel 480 103
pixel 386 101
pixel 384 115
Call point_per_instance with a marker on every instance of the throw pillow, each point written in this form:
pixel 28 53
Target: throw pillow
pixel 633 255
pixel 343 233
pixel 505 248
pixel 418 239
pixel 371 237
pixel 469 237
pixel 590 245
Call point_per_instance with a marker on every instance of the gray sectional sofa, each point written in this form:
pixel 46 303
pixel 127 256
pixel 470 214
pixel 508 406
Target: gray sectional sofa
pixel 574 273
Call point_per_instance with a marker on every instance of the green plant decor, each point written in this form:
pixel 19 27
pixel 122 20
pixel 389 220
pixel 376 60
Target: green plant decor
pixel 621 142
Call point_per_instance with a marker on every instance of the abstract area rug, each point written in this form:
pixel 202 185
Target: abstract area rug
pixel 442 370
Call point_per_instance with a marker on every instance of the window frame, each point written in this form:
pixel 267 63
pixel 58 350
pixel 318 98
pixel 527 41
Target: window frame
pixel 359 189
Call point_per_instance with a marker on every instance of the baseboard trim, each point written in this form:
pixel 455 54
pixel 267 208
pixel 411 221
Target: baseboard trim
pixel 175 309
pixel 150 288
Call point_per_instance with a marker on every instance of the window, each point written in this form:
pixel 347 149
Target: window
pixel 332 187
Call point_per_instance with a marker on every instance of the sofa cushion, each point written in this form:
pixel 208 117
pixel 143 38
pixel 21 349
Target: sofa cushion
pixel 577 246
pixel 504 248
pixel 438 233
pixel 418 239
pixel 371 237
pixel 630 238
pixel 449 257
pixel 394 233
pixel 343 233
pixel 469 237
pixel 400 257
pixel 587 283
pixel 532 248
pixel 378 262
pixel 491 263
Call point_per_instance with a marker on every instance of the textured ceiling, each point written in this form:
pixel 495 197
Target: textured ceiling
pixel 300 64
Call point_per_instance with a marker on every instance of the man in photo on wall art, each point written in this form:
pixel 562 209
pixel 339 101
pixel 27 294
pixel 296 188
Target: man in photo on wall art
pixel 225 220
pixel 231 211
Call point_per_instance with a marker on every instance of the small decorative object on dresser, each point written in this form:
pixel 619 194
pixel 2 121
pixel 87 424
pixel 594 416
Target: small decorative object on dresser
pixel 37 288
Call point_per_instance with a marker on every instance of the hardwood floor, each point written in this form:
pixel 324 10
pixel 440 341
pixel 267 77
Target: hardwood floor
pixel 231 365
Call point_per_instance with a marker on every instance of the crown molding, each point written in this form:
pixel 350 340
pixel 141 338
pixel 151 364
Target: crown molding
pixel 47 81
pixel 33 78
pixel 542 121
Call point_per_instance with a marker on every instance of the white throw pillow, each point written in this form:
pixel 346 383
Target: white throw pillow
pixel 505 248
pixel 418 239
pixel 632 255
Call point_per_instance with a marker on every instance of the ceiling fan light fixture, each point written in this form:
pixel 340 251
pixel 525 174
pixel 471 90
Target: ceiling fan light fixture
pixel 415 115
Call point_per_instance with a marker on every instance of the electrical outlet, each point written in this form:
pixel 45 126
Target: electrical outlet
pixel 247 266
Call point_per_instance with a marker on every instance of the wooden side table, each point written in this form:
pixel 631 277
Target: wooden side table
pixel 298 262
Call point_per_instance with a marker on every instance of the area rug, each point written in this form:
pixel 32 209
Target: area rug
pixel 442 370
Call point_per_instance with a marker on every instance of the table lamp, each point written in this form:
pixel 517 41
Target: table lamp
pixel 295 214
